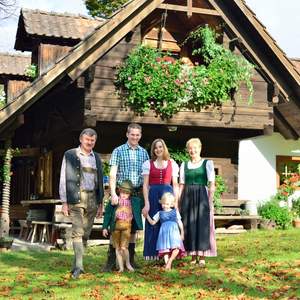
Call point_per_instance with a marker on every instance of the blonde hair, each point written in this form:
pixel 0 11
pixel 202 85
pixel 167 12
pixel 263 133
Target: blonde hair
pixel 167 197
pixel 166 155
pixel 194 141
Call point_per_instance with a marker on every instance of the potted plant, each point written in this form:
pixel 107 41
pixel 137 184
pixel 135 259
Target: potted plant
pixel 6 242
pixel 275 211
pixel 296 212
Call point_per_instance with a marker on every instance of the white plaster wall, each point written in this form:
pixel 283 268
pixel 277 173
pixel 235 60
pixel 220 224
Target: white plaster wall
pixel 257 165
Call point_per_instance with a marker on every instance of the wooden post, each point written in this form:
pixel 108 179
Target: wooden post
pixel 190 7
pixel 4 222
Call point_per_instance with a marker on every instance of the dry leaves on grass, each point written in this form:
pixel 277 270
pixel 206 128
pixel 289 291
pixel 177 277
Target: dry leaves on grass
pixel 266 277
pixel 132 297
pixel 261 288
pixel 94 293
pixel 5 290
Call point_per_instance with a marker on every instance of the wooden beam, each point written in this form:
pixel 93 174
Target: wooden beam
pixel 190 8
pixel 237 33
pixel 8 131
pixel 108 41
pixel 283 127
pixel 28 152
pixel 195 10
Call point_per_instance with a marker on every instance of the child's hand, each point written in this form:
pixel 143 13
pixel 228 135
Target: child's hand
pixel 105 232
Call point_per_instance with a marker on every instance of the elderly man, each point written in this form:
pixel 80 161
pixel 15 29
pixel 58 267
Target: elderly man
pixel 81 191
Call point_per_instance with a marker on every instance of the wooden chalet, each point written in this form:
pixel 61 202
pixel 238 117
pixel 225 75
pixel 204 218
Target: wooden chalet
pixel 77 59
pixel 12 74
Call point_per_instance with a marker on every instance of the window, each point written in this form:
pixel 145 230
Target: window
pixel 286 166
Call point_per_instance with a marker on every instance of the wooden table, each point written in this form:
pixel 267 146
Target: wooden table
pixel 41 201
pixel 39 229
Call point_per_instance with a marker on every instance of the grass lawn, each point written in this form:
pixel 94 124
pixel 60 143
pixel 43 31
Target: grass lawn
pixel 253 265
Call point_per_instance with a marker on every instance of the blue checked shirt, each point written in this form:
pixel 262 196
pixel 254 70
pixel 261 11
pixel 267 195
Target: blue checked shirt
pixel 129 162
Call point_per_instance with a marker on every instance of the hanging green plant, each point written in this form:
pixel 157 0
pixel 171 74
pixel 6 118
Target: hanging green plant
pixel 152 79
pixel 31 71
pixel 2 97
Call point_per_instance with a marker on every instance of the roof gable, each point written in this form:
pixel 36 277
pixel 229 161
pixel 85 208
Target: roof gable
pixel 50 25
pixel 14 64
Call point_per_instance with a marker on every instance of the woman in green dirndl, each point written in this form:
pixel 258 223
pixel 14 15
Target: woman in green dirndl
pixel 197 186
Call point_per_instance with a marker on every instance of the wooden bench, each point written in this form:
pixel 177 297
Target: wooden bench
pixel 234 212
pixel 16 212
pixel 40 232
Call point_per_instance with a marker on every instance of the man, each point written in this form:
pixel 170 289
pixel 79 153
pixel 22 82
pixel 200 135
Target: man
pixel 126 164
pixel 81 191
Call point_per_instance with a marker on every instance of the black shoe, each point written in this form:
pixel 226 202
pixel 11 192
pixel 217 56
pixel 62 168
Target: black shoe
pixel 111 260
pixel 131 250
pixel 76 273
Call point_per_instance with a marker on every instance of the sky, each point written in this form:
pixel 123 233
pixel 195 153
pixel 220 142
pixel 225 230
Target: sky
pixel 279 16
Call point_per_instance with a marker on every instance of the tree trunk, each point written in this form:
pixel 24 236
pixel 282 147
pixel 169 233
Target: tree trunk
pixel 4 222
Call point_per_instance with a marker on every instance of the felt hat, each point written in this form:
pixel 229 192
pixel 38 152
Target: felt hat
pixel 126 186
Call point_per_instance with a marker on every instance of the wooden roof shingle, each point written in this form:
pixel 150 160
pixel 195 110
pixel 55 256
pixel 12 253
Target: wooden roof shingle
pixel 33 23
pixel 14 64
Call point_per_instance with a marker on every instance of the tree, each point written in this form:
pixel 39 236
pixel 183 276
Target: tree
pixel 103 8
pixel 7 8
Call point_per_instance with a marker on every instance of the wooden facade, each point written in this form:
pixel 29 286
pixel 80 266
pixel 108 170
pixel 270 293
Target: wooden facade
pixel 77 90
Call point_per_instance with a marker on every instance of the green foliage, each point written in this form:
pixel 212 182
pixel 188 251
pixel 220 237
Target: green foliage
pixel 105 168
pixel 103 8
pixel 31 71
pixel 178 154
pixel 152 79
pixel 221 188
pixel 5 169
pixel 2 97
pixel 276 211
pixel 296 208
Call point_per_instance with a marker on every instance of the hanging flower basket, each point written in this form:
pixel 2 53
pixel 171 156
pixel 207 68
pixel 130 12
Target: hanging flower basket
pixel 151 79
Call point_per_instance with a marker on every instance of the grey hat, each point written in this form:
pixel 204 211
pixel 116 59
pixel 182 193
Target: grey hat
pixel 126 186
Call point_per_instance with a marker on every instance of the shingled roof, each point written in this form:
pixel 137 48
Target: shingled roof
pixel 14 64
pixel 33 23
pixel 296 62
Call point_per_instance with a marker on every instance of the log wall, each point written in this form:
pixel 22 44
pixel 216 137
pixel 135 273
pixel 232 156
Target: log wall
pixel 106 105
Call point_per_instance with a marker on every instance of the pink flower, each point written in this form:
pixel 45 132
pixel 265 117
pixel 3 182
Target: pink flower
pixel 168 59
pixel 147 79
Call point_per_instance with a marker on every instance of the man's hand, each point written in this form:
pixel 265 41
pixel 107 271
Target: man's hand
pixel 65 209
pixel 145 210
pixel 114 199
pixel 99 212
pixel 105 232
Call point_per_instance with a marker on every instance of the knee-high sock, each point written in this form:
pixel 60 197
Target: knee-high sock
pixel 78 252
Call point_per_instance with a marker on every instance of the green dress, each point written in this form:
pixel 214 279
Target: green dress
pixel 195 210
